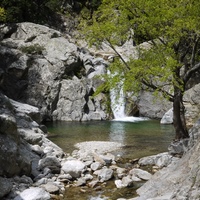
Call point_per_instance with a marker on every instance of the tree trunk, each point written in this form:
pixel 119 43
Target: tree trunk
pixel 179 115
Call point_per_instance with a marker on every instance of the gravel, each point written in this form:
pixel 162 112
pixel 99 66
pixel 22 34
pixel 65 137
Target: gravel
pixel 98 146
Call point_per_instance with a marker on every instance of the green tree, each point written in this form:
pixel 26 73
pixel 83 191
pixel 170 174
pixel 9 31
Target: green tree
pixel 171 57
pixel 39 11
pixel 2 15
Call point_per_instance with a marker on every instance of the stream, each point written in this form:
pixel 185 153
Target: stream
pixel 141 138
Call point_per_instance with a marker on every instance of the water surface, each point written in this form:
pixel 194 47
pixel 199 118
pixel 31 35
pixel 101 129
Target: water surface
pixel 141 138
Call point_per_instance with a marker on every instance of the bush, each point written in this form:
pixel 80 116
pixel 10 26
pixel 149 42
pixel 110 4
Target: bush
pixel 33 49
pixel 2 15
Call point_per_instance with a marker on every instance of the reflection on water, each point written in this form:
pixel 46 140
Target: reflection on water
pixel 117 132
pixel 131 119
pixel 141 138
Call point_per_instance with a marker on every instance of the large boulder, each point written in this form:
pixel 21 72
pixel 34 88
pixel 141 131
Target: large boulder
pixel 167 117
pixel 141 174
pixel 40 67
pixel 152 106
pixel 160 160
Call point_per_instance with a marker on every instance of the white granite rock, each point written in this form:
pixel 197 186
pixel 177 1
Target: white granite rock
pixel 74 168
pixel 33 193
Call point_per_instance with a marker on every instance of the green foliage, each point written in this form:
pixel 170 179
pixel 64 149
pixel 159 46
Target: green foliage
pixel 171 30
pixel 44 11
pixel 38 11
pixel 54 5
pixel 2 15
pixel 85 13
pixel 167 36
pixel 33 49
pixel 79 5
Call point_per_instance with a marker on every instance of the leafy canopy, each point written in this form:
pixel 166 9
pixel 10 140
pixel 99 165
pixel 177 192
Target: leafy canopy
pixel 38 11
pixel 171 29
pixel 43 11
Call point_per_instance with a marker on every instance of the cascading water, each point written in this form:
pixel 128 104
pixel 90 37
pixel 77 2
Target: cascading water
pixel 118 104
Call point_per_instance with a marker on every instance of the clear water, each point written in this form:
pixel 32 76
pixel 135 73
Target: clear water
pixel 141 138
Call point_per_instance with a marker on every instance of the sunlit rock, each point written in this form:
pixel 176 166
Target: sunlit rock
pixel 105 174
pixel 33 193
pixel 144 175
pixel 74 168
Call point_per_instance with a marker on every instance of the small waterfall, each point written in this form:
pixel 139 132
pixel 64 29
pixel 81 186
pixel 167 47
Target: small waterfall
pixel 118 104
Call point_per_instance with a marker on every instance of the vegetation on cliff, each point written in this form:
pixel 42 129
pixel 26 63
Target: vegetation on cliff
pixel 2 15
pixel 43 11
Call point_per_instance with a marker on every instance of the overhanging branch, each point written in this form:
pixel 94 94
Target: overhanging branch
pixel 191 71
pixel 165 93
pixel 121 58
pixel 194 50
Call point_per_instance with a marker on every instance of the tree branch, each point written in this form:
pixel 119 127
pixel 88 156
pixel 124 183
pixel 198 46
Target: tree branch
pixel 165 93
pixel 121 58
pixel 191 71
pixel 162 41
pixel 194 50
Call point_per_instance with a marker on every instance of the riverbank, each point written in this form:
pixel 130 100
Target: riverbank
pixel 42 170
pixel 39 169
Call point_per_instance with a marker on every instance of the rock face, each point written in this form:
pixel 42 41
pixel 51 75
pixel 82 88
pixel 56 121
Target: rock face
pixel 180 180
pixel 192 107
pixel 152 106
pixel 41 68
pixel 25 152
pixel 10 145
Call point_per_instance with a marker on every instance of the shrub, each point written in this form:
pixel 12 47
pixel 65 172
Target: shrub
pixel 33 49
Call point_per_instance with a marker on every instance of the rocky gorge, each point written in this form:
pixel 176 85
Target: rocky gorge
pixel 47 76
pixel 39 169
